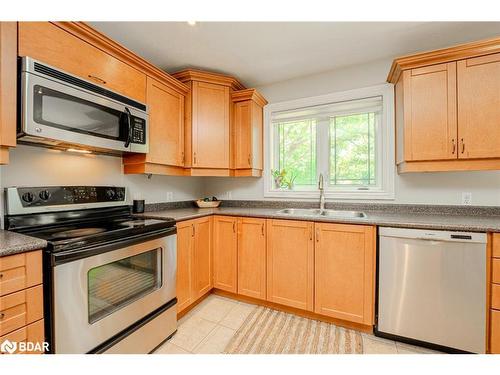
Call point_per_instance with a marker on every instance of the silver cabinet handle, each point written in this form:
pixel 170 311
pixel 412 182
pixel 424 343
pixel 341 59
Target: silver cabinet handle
pixel 463 145
pixel 453 145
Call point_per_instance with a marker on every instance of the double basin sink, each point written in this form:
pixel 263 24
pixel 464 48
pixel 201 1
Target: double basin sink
pixel 321 213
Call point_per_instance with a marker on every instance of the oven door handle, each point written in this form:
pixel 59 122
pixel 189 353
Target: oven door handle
pixel 129 127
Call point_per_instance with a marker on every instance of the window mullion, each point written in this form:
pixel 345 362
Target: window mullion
pixel 322 147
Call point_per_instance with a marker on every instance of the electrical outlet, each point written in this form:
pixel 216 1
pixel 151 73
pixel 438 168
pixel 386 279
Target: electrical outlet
pixel 170 196
pixel 466 198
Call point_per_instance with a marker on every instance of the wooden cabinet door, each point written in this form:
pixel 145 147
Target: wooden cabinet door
pixel 166 124
pixel 430 113
pixel 344 272
pixel 252 257
pixel 48 43
pixel 290 263
pixel 242 134
pixel 20 271
pixel 248 131
pixel 225 253
pixel 479 107
pixel 202 257
pixel 210 125
pixel 185 241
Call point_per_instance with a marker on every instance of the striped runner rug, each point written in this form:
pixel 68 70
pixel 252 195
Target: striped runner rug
pixel 267 331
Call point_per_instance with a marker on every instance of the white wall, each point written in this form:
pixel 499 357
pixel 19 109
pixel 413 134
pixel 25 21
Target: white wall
pixel 33 166
pixel 418 188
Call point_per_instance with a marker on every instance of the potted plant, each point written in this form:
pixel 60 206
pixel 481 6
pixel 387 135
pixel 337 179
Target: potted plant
pixel 290 181
pixel 279 178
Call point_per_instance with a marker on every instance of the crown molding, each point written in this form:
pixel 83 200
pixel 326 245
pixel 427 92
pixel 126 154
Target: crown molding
pixel 187 75
pixel 439 56
pixel 104 43
pixel 249 94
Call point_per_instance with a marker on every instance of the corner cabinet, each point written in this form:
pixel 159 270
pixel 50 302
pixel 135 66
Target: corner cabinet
pixel 223 126
pixel 248 132
pixel 448 108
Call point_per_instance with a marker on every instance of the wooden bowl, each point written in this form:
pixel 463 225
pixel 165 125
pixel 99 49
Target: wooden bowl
pixel 211 204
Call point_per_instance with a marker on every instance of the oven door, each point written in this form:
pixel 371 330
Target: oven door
pixel 57 114
pixel 99 296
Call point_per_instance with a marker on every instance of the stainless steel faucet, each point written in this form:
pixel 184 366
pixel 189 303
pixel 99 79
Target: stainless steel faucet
pixel 321 192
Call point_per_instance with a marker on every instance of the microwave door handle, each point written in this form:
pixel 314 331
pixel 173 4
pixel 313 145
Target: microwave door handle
pixel 129 126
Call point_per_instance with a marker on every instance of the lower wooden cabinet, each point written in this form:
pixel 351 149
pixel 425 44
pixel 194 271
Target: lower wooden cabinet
pixel 20 271
pixel 184 269
pixel 20 308
pixel 194 260
pixel 495 332
pixel 225 253
pixel 252 257
pixel 32 334
pixel 327 269
pixel 290 263
pixel 345 271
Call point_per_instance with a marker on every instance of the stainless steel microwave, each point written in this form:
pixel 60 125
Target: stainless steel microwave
pixel 60 110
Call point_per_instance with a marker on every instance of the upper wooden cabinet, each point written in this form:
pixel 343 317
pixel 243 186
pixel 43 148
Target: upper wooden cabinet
pixel 223 126
pixel 345 272
pixel 479 107
pixel 8 88
pixel 166 133
pixel 430 117
pixel 248 132
pixel 208 122
pixel 52 45
pixel 448 108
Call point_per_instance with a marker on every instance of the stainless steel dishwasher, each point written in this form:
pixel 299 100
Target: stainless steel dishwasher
pixel 432 288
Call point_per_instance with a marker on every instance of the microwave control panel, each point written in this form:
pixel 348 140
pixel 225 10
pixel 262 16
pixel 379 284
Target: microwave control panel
pixel 138 130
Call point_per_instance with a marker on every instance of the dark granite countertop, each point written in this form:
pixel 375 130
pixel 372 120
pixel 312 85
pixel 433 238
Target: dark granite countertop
pixel 396 218
pixel 15 243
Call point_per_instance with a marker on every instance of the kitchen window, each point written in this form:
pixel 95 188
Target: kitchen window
pixel 348 137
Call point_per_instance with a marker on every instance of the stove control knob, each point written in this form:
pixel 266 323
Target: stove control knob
pixel 120 195
pixel 44 195
pixel 28 197
pixel 110 194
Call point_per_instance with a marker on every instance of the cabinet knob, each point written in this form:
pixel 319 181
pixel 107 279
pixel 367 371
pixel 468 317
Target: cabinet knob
pixel 2 315
pixel 1 275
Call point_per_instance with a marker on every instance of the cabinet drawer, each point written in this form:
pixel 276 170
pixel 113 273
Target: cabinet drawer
pixel 495 332
pixel 20 309
pixel 52 45
pixel 496 245
pixel 495 296
pixel 33 333
pixel 495 277
pixel 20 271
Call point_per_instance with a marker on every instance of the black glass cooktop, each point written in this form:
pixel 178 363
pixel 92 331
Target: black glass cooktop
pixel 83 234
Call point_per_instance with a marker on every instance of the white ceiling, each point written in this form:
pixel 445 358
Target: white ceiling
pixel 260 53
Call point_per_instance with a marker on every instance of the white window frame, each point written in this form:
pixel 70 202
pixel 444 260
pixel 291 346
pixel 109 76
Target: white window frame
pixel 385 188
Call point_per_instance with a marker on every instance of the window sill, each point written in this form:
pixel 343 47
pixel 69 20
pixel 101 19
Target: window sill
pixel 375 194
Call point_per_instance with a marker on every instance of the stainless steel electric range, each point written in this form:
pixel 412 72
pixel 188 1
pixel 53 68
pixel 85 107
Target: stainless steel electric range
pixel 109 276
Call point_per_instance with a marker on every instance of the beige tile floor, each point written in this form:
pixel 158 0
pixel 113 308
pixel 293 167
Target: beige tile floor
pixel 208 328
